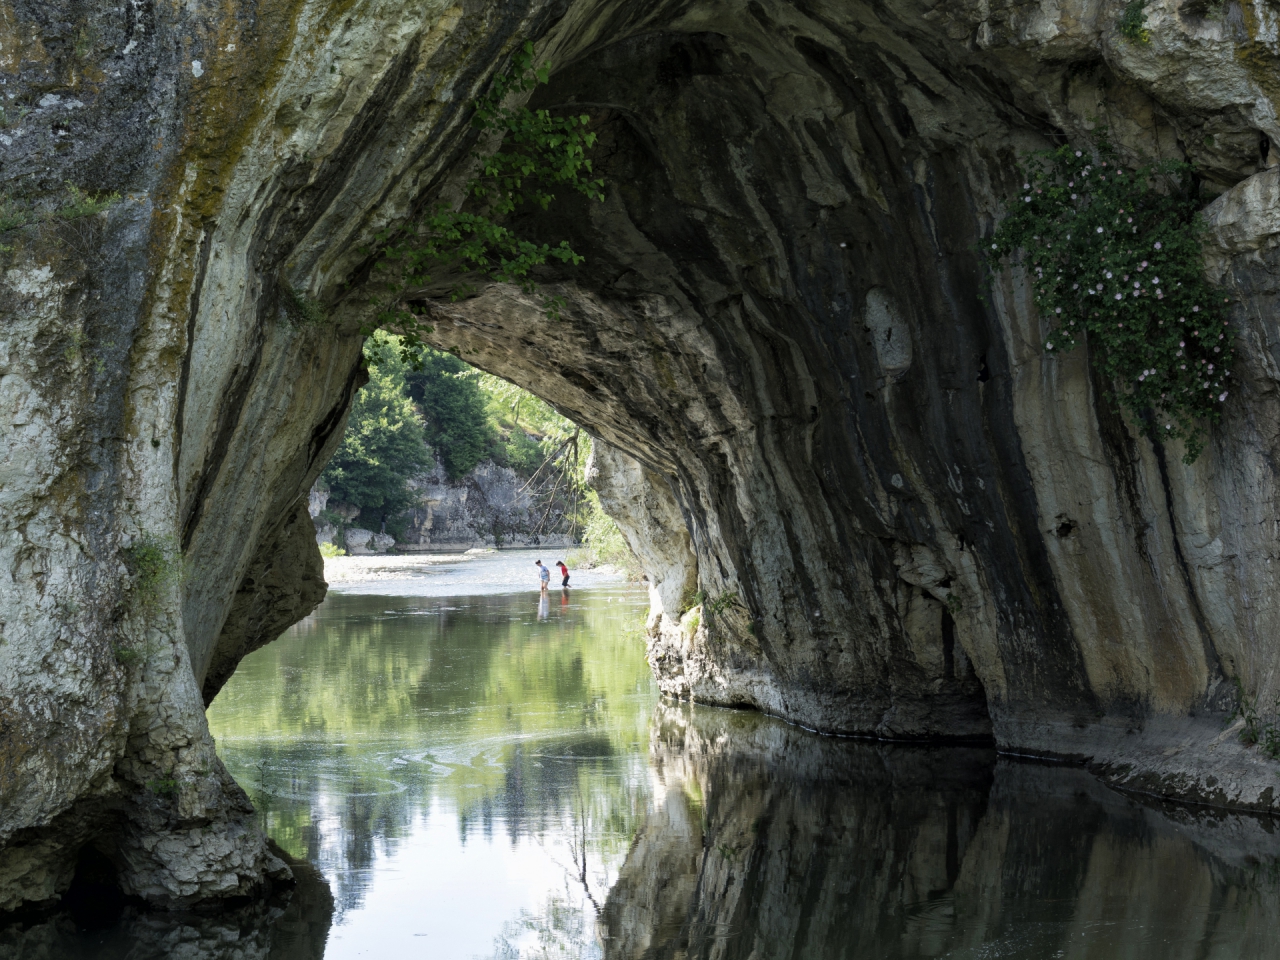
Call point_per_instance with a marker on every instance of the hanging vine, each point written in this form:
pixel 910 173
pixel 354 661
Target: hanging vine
pixel 538 155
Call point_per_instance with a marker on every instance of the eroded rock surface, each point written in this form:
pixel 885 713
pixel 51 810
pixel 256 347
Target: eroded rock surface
pixel 902 517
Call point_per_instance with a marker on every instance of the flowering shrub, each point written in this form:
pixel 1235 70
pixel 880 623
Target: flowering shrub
pixel 1114 257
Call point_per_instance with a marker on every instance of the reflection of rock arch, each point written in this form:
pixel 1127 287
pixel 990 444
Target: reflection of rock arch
pixel 765 838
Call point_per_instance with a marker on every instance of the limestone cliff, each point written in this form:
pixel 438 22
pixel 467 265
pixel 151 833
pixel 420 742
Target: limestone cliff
pixel 906 519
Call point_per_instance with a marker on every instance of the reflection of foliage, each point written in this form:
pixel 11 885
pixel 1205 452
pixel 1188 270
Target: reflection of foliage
pixel 560 930
pixel 558 712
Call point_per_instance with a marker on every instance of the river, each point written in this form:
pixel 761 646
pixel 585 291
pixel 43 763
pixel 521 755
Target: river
pixel 476 774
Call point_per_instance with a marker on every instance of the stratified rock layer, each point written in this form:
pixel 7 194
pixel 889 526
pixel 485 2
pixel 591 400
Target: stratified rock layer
pixel 869 501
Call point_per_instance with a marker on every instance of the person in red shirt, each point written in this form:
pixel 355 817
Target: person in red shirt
pixel 564 572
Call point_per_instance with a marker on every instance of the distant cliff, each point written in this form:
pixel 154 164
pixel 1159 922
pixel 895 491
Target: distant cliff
pixel 490 506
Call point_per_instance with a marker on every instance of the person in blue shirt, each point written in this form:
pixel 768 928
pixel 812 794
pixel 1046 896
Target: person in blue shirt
pixel 544 575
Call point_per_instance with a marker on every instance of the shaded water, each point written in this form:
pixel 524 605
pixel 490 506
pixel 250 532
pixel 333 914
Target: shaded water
pixel 479 777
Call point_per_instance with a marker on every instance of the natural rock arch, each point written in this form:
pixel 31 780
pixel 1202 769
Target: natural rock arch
pixel 794 187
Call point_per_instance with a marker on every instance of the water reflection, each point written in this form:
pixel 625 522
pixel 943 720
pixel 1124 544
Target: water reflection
pixel 467 772
pixel 765 841
pixel 289 927
pixel 475 781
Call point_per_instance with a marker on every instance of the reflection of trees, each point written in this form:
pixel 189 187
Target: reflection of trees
pixel 769 842
pixel 345 734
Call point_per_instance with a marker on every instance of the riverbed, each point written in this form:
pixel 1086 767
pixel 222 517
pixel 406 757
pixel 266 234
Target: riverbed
pixel 476 770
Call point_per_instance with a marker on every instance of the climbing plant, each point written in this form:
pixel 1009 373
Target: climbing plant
pixel 1114 257
pixel 1132 23
pixel 537 155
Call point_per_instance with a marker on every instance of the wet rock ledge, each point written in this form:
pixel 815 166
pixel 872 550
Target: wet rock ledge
pixel 904 519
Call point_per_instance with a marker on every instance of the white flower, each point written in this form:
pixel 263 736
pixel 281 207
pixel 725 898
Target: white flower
pixel 1144 264
pixel 1026 186
pixel 1182 343
pixel 1156 281
pixel 1078 153
pixel 1049 346
pixel 1119 296
pixel 1168 426
pixel 1135 284
pixel 1073 196
pixel 994 247
pixel 1099 229
pixel 1222 396
pixel 1108 274
pixel 1143 377
pixel 1059 310
pixel 1027 199
pixel 1158 244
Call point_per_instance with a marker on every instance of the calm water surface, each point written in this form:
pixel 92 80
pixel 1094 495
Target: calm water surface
pixel 479 776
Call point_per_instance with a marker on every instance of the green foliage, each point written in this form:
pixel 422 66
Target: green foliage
pixel 126 656
pixel 538 155
pixel 80 203
pixel 448 393
pixel 384 444
pixel 1132 23
pixel 691 623
pixel 83 203
pixel 1114 257
pixel 163 788
pixel 718 605
pixel 331 550
pixel 603 542
pixel 153 563
pixel 1260 731
pixel 303 311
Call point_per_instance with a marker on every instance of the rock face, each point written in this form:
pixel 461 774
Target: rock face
pixel 491 506
pixel 903 518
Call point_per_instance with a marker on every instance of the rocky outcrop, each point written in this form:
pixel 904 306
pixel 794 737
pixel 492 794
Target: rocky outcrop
pixel 907 520
pixel 491 505
pixel 903 518
pixel 759 837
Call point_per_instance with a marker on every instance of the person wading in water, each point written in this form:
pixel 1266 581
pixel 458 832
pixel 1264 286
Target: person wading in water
pixel 544 575
pixel 564 572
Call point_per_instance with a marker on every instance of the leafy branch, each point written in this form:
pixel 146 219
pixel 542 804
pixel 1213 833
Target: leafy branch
pixel 1115 258
pixel 537 156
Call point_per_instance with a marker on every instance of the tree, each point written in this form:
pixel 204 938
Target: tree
pixel 384 444
pixel 457 423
